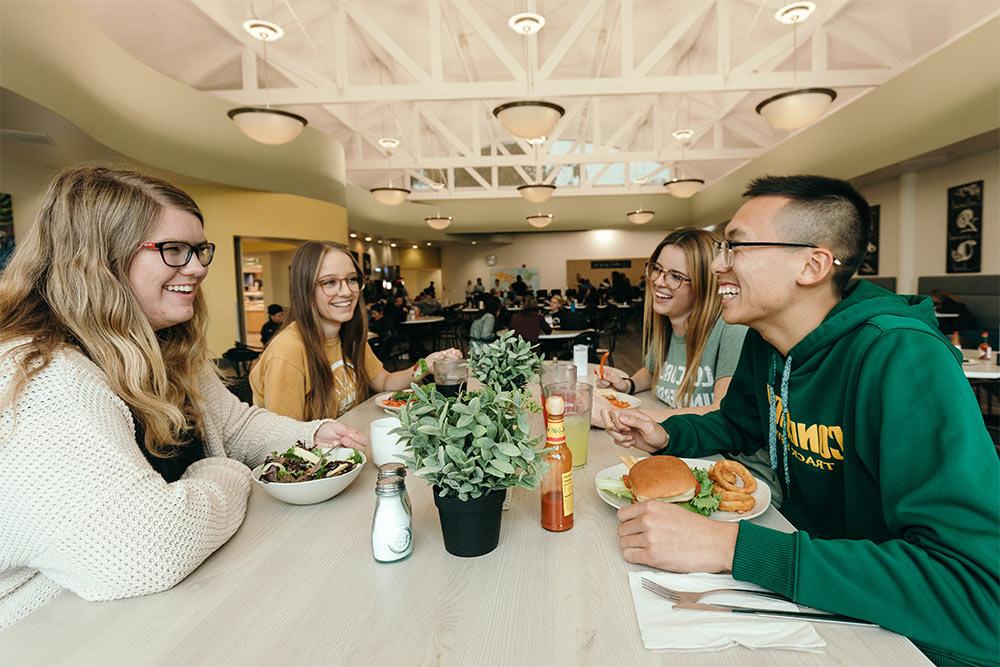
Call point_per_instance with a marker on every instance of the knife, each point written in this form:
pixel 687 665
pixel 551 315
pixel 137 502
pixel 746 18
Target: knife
pixel 775 613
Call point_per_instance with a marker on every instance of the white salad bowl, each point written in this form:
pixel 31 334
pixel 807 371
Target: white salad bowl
pixel 316 490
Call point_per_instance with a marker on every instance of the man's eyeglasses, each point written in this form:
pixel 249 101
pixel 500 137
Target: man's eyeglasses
pixel 331 286
pixel 674 280
pixel 178 253
pixel 725 248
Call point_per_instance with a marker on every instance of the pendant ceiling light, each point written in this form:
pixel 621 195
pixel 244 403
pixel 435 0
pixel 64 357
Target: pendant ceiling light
pixel 264 124
pixel 795 108
pixel 678 186
pixel 390 196
pixel 528 119
pixel 438 221
pixel 537 192
pixel 540 220
pixel 640 216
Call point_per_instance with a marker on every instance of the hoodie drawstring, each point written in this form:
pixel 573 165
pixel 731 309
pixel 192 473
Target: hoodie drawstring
pixel 772 436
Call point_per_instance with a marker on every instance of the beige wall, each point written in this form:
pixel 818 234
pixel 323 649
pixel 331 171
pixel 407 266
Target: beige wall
pixel 546 252
pixel 931 221
pixel 581 267
pixel 25 183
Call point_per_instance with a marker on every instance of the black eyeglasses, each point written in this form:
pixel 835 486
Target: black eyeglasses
pixel 331 286
pixel 674 279
pixel 725 248
pixel 178 253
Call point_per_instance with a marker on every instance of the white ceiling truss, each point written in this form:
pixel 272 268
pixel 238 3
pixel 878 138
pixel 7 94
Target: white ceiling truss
pixel 628 72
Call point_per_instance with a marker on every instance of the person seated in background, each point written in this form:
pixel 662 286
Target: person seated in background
pixel 483 329
pixel 497 290
pixel 947 303
pixel 379 323
pixel 469 291
pixel 275 318
pixel 529 323
pixel 889 474
pixel 320 364
pixel 116 385
pixel 556 304
pixel 397 311
pixel 519 287
pixel 432 290
pixel 427 304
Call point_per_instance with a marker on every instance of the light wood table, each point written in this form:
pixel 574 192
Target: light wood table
pixel 980 369
pixel 298 585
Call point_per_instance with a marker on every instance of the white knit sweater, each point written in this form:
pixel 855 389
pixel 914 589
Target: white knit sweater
pixel 81 508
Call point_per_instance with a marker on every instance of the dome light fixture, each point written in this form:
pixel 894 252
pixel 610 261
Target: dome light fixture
pixel 540 220
pixel 536 193
pixel 388 143
pixel 639 217
pixel 438 222
pixel 390 196
pixel 684 188
pixel 529 119
pixel 795 108
pixel 526 23
pixel 264 124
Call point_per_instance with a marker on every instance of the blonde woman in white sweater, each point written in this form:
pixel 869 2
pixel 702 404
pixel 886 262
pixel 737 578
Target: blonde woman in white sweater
pixel 123 457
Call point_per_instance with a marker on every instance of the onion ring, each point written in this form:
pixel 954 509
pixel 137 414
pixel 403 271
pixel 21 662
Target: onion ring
pixel 726 473
pixel 734 501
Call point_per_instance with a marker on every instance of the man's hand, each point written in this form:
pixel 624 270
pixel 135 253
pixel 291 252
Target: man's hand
pixel 335 434
pixel 632 428
pixel 669 537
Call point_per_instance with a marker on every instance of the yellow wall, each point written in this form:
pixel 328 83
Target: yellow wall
pixel 233 212
pixel 421 258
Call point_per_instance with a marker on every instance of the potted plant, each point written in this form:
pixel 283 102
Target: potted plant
pixel 505 364
pixel 471 448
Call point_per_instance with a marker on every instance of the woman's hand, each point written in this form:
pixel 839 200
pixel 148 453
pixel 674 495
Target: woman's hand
pixel 613 378
pixel 419 372
pixel 335 434
pixel 633 428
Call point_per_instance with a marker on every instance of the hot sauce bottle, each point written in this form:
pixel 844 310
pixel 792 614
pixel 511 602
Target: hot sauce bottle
pixel 557 484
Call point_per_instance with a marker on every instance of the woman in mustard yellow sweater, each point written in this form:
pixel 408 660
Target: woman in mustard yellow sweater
pixel 320 363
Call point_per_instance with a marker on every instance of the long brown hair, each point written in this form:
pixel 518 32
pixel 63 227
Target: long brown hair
pixel 67 287
pixel 697 245
pixel 353 334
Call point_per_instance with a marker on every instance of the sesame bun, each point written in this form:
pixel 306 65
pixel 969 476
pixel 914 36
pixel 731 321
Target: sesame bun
pixel 665 478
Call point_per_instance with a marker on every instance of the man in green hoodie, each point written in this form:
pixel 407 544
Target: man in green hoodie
pixel 888 471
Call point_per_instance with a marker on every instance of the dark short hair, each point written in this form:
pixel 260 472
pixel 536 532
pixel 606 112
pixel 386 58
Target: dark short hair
pixel 829 212
pixel 274 309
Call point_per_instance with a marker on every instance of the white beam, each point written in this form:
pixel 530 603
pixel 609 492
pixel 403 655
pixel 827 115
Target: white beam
pixel 443 131
pixel 479 179
pixel 638 115
pixel 564 191
pixel 860 37
pixel 557 88
pixel 783 46
pixel 444 161
pixel 569 39
pixel 678 30
pixel 396 52
pixel 626 39
pixel 494 44
pixel 248 65
pixel 340 46
pixel 519 169
pixel 723 36
pixel 820 50
pixel 434 42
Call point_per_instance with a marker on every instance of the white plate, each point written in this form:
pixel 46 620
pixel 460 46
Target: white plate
pixel 632 401
pixel 380 401
pixel 762 494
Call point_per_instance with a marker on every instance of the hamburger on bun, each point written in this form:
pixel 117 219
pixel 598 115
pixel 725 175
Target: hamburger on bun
pixel 665 478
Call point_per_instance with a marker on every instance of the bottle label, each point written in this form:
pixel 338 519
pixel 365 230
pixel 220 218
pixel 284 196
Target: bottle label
pixel 555 431
pixel 400 541
pixel 567 491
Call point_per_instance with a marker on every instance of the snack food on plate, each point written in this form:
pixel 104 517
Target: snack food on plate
pixel 735 485
pixel 611 396
pixel 398 398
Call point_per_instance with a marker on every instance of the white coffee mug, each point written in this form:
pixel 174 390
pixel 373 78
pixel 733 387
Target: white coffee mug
pixel 386 446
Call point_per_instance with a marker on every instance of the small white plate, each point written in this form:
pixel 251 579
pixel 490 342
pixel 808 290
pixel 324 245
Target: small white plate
pixel 380 401
pixel 762 494
pixel 632 401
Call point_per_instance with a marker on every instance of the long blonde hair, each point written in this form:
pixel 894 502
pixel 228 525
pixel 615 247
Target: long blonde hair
pixel 656 329
pixel 67 286
pixel 353 334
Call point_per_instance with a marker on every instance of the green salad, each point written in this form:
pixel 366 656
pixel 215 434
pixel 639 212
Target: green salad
pixel 302 463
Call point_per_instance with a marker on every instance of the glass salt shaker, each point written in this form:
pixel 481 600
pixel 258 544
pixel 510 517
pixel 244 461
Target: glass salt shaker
pixel 392 536
pixel 396 469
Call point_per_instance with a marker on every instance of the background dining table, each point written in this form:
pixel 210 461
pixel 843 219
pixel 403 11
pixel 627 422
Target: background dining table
pixel 298 585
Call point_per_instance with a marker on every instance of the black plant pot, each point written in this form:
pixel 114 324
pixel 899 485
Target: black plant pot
pixel 470 527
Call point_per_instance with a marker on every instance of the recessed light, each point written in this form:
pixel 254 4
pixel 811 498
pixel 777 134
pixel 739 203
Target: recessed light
pixel 475 242
pixel 682 135
pixel 388 143
pixel 428 244
pixel 368 239
pixel 353 235
pixel 415 246
pixel 526 23
pixel 796 12
pixel 265 31
pixel 392 245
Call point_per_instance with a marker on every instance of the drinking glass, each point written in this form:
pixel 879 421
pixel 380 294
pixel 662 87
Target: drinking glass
pixel 450 376
pixel 577 397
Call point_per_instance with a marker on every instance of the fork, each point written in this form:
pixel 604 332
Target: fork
pixel 689 596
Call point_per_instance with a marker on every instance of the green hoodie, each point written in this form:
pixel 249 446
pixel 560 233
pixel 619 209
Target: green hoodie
pixel 889 474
